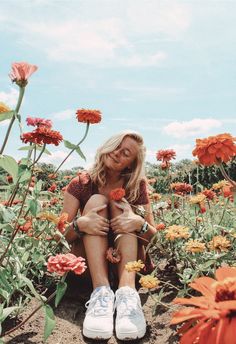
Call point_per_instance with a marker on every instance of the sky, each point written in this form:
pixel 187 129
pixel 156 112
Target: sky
pixel 163 68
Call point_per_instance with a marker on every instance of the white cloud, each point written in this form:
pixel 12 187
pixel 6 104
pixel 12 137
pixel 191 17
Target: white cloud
pixel 56 157
pixel 63 115
pixel 182 151
pixel 9 98
pixel 4 123
pixel 138 60
pixel 194 127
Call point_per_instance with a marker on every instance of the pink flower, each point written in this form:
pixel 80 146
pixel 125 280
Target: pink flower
pixel 39 122
pixel 62 263
pixel 21 71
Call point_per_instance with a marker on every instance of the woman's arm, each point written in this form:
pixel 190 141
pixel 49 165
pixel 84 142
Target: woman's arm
pixel 71 207
pixel 151 224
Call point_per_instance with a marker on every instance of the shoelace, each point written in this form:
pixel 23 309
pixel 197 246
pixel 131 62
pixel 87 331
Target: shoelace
pixel 99 303
pixel 128 304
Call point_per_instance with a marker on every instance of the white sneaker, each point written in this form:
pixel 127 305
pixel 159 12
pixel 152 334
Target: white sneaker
pixel 130 321
pixel 98 322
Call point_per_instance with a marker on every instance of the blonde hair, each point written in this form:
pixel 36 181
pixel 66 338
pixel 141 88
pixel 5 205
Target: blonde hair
pixel 132 176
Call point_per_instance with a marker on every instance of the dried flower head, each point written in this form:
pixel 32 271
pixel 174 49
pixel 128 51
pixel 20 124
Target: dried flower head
pixel 113 255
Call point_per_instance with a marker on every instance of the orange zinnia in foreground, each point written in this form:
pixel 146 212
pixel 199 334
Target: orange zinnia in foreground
pixel 215 149
pixel 213 319
pixel 117 194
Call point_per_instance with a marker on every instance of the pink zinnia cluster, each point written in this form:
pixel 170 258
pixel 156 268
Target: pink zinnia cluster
pixel 39 122
pixel 62 263
pixel 21 71
pixel 165 155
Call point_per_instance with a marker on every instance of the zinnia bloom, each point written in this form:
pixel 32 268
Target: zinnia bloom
pixel 215 149
pixel 113 255
pixel 42 135
pixel 198 199
pixel 117 194
pixel 219 243
pixel 26 227
pixel 62 263
pixel 181 188
pixel 160 226
pixel 149 281
pixel 176 232
pixel 53 187
pixel 62 222
pixel 39 122
pixel 195 246
pixel 134 266
pixel 212 316
pixel 88 116
pixel 4 108
pixel 221 185
pixel 48 216
pixel 21 71
pixel 156 196
pixel 210 194
pixel 165 155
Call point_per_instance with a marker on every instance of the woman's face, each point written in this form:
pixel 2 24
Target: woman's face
pixel 123 156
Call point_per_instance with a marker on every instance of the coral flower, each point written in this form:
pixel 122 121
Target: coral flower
pixel 149 281
pixel 42 135
pixel 39 122
pixel 210 194
pixel 165 155
pixel 62 222
pixel 53 187
pixel 62 263
pixel 215 149
pixel 26 227
pixel 176 232
pixel 195 246
pixel 4 108
pixel 117 194
pixel 21 71
pixel 113 255
pixel 88 116
pixel 160 226
pixel 219 243
pixel 181 188
pixel 134 266
pixel 221 185
pixel 212 316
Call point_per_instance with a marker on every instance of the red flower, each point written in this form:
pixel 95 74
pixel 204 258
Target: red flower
pixel 181 188
pixel 88 116
pixel 42 135
pixel 117 194
pixel 39 122
pixel 9 179
pixel 61 263
pixel 113 255
pixel 62 222
pixel 202 210
pixel 165 155
pixel 160 226
pixel 215 149
pixel 21 71
pixel 209 194
pixel 53 187
pixel 26 227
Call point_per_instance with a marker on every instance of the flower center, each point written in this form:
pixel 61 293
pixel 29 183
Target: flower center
pixel 225 290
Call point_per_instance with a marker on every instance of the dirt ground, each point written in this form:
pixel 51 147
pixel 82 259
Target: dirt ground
pixel 69 319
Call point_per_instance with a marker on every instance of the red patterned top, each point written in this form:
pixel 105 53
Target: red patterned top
pixel 83 188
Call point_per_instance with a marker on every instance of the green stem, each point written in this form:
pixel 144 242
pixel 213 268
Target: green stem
pixel 21 94
pixel 225 175
pixel 41 153
pixel 84 137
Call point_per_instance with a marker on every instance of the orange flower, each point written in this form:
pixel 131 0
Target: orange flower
pixel 53 187
pixel 9 178
pixel 113 255
pixel 88 116
pixel 155 196
pixel 215 149
pixel 219 243
pixel 213 314
pixel 117 194
pixel 42 135
pixel 62 263
pixel 209 194
pixel 165 155
pixel 62 221
pixel 160 226
pixel 181 188
pixel 26 227
pixel 4 108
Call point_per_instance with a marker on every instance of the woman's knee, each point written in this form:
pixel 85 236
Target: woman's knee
pixel 94 201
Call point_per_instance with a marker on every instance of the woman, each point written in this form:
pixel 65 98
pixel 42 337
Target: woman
pixel 119 163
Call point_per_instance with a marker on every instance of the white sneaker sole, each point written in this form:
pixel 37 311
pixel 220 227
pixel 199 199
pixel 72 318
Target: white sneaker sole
pixel 131 335
pixel 97 334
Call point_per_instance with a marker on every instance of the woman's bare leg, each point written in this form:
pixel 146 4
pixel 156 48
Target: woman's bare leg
pixel 96 246
pixel 128 247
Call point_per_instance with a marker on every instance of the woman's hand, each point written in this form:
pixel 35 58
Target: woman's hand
pixel 127 222
pixel 94 224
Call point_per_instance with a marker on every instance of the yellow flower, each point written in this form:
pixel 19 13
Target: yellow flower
pixel 195 246
pixel 220 185
pixel 175 232
pixel 198 199
pixel 4 108
pixel 49 217
pixel 219 243
pixel 149 281
pixel 134 266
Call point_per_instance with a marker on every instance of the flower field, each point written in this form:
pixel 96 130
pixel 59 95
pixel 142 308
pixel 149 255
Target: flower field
pixel 194 206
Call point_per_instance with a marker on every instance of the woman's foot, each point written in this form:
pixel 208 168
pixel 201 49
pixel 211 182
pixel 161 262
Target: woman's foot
pixel 98 322
pixel 130 321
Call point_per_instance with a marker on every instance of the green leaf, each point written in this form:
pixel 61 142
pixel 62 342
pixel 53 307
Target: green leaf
pixel 6 115
pixel 33 206
pixel 7 311
pixel 69 145
pixel 49 321
pixel 10 165
pixel 81 154
pixel 30 285
pixel 39 148
pixel 61 289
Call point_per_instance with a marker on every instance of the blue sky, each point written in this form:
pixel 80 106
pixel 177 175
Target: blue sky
pixel 163 68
